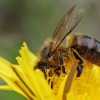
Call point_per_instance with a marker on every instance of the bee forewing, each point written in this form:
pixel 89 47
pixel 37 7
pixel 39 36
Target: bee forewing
pixel 63 20
pixel 66 25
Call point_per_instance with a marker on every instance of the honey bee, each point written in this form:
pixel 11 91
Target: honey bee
pixel 52 53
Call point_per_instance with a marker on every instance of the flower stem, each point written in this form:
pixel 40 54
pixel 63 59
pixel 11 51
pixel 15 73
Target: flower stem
pixel 69 79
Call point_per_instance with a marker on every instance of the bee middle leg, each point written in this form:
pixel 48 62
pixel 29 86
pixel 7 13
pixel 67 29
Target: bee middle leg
pixel 57 71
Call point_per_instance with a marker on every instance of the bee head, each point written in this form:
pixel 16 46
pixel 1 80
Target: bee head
pixel 45 51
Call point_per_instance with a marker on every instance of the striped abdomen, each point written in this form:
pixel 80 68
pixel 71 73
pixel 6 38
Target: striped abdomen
pixel 87 47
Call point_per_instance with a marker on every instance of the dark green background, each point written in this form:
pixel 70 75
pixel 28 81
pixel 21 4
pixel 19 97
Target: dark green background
pixel 33 21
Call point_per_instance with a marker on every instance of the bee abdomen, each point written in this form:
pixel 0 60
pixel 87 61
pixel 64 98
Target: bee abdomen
pixel 87 47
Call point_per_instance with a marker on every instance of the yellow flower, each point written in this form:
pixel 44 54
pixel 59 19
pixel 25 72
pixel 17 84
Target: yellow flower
pixel 31 83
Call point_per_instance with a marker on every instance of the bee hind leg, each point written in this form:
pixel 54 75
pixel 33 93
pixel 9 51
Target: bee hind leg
pixel 79 69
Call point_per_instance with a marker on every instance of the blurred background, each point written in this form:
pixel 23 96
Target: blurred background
pixel 33 21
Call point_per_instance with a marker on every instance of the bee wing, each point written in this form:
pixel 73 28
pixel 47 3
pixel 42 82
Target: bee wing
pixel 66 25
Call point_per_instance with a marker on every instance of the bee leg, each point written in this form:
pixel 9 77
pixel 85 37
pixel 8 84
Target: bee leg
pixel 60 58
pixel 79 69
pixel 57 71
pixel 51 85
pixel 63 70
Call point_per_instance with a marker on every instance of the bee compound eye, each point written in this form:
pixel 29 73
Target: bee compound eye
pixel 44 51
